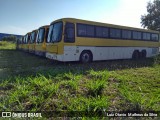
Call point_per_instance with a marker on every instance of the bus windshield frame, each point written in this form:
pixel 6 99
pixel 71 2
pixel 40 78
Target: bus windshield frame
pixel 26 39
pixel 55 32
pixel 32 39
pixel 40 35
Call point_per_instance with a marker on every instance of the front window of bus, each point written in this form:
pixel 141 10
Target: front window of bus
pixel 32 37
pixel 23 40
pixel 55 32
pixel 50 33
pixel 40 37
pixel 26 39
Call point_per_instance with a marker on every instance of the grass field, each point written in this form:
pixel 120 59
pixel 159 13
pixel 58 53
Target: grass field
pixel 7 45
pixel 31 83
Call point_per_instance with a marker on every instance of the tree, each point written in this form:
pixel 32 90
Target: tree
pixel 151 20
pixel 9 39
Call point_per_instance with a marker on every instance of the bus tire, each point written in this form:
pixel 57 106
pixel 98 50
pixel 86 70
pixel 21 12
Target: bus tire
pixel 143 54
pixel 135 55
pixel 86 56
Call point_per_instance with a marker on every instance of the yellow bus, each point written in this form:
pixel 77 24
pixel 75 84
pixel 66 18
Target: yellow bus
pixel 72 39
pixel 23 42
pixel 26 42
pixel 32 41
pixel 19 43
pixel 40 47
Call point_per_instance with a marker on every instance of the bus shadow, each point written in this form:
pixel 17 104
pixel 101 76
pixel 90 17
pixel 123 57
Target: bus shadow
pixel 114 64
pixel 18 63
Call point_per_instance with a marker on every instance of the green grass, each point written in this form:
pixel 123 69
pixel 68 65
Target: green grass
pixel 141 88
pixel 7 45
pixel 31 83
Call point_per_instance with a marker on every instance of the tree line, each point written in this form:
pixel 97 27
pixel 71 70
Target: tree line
pixel 151 20
pixel 10 39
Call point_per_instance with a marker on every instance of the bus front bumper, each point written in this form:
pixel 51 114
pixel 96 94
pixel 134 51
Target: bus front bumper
pixel 54 56
pixel 40 53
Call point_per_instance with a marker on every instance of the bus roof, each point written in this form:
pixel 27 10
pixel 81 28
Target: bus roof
pixel 34 30
pixel 75 20
pixel 27 33
pixel 43 26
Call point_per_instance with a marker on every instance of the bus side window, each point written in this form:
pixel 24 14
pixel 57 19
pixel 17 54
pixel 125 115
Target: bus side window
pixel 154 37
pixel 69 33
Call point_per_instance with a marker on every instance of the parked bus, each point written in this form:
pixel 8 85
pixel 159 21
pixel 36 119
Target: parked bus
pixel 23 42
pixel 26 42
pixel 32 41
pixel 40 47
pixel 19 43
pixel 72 39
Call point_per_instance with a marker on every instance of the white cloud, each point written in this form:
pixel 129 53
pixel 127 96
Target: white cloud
pixel 128 13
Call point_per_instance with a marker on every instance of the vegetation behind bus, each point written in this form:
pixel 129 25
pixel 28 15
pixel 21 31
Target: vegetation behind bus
pixel 151 19
pixel 31 83
pixel 8 42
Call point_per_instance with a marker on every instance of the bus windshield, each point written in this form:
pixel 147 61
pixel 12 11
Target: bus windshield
pixel 32 37
pixel 50 33
pixel 40 36
pixel 26 39
pixel 55 32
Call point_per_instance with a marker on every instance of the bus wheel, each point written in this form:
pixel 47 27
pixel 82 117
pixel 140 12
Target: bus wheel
pixel 135 55
pixel 143 54
pixel 86 56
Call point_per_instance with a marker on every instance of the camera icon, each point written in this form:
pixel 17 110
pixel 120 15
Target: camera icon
pixel 6 114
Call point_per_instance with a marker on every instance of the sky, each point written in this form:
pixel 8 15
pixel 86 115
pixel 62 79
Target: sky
pixel 22 16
